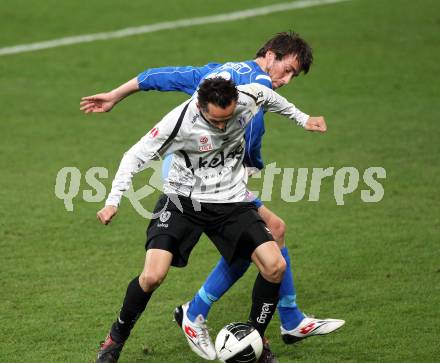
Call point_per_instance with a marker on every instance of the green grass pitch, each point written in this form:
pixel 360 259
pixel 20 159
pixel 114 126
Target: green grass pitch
pixel 376 265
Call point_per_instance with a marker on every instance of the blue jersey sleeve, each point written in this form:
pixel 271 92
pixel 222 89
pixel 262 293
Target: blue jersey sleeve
pixel 265 81
pixel 253 136
pixel 182 79
pixel 255 129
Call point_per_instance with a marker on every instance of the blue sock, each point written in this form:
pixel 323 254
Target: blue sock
pixel 221 278
pixel 290 315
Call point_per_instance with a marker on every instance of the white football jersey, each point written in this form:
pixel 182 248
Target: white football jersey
pixel 207 163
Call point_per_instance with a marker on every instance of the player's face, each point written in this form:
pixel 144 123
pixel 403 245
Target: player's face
pixel 217 116
pixel 282 71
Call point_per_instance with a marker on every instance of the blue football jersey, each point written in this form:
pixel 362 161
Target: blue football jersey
pixel 187 79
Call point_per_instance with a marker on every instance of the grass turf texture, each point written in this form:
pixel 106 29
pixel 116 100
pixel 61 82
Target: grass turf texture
pixel 63 276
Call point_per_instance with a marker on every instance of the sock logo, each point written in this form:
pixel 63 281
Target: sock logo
pixel 265 310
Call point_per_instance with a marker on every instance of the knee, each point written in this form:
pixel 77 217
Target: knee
pixel 278 229
pixel 275 271
pixel 150 281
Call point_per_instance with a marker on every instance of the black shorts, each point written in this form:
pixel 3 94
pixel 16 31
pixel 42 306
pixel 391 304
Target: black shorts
pixel 236 229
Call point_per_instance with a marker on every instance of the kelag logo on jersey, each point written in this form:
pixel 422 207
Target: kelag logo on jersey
pixel 219 159
pixel 260 98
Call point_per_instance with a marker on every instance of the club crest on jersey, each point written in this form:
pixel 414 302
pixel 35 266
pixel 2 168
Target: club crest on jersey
pixel 154 132
pixel 260 98
pixel 205 144
pixel 164 216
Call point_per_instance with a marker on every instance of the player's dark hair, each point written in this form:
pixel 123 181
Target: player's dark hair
pixel 284 44
pixel 218 91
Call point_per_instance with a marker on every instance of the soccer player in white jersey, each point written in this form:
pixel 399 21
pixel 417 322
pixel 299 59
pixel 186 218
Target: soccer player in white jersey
pixel 277 62
pixel 205 190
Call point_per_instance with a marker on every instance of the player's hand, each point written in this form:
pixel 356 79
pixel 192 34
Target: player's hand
pixel 102 102
pixel 106 214
pixel 316 124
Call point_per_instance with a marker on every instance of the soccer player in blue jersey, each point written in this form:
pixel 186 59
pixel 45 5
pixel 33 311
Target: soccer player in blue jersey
pixel 282 58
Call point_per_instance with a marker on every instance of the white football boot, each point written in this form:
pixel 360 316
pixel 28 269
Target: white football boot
pixel 310 327
pixel 197 335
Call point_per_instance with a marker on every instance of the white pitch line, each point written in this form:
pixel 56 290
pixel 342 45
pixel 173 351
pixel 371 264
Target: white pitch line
pixel 220 18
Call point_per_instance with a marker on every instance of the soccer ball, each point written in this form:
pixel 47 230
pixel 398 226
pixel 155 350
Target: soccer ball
pixel 238 342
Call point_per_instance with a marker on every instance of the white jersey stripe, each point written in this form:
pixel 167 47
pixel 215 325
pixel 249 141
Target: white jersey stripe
pixel 262 76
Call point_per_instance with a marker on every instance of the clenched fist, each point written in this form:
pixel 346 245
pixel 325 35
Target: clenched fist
pixel 106 214
pixel 316 124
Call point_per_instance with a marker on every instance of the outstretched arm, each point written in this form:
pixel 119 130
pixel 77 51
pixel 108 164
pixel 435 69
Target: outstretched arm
pixel 182 79
pixel 156 142
pixel 273 102
pixel 104 102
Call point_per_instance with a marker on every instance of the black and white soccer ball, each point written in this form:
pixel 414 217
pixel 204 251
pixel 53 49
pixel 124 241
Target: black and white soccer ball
pixel 238 343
